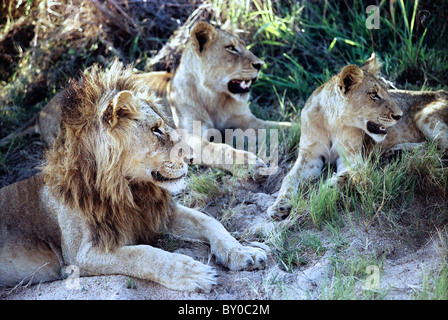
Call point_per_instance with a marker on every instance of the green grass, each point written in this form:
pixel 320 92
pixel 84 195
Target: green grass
pixel 294 249
pixel 205 186
pixel 434 286
pixel 440 291
pixel 131 283
pixel 353 274
pixel 377 190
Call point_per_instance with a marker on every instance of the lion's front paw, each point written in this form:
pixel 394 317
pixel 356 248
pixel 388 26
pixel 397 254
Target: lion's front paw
pixel 246 258
pixel 187 274
pixel 281 208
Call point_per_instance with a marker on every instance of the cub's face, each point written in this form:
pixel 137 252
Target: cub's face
pixel 368 102
pixel 151 150
pixel 225 64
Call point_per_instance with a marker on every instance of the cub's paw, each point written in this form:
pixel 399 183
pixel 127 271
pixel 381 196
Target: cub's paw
pixel 187 274
pixel 246 258
pixel 281 208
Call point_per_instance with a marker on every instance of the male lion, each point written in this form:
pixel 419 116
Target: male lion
pixel 105 193
pixel 352 107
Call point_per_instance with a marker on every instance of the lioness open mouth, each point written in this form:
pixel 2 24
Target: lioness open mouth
pixel 161 178
pixel 239 86
pixel 376 128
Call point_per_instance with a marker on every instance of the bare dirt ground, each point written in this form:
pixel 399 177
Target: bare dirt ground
pixel 404 262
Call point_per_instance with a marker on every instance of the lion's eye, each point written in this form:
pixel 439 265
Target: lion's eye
pixel 232 49
pixel 374 96
pixel 156 130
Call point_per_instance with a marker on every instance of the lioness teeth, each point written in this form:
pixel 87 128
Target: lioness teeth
pixel 376 128
pixel 245 84
pixel 239 86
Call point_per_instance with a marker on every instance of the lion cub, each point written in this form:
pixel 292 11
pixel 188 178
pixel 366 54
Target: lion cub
pixel 104 195
pixel 352 107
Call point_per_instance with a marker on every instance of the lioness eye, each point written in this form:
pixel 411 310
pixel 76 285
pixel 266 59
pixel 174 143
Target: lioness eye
pixel 156 130
pixel 374 96
pixel 232 49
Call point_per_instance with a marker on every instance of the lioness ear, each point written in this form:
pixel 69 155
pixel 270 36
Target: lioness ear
pixel 349 78
pixel 372 65
pixel 123 105
pixel 202 35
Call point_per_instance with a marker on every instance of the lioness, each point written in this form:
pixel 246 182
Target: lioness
pixel 211 87
pixel 352 107
pixel 104 194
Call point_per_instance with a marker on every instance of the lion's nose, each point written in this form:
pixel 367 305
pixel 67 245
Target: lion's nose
pixel 396 117
pixel 257 65
pixel 189 160
pixel 190 157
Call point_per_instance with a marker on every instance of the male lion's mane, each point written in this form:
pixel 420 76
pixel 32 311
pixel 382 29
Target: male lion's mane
pixel 94 183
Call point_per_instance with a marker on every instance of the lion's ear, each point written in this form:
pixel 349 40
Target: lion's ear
pixel 123 105
pixel 349 78
pixel 372 65
pixel 202 35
